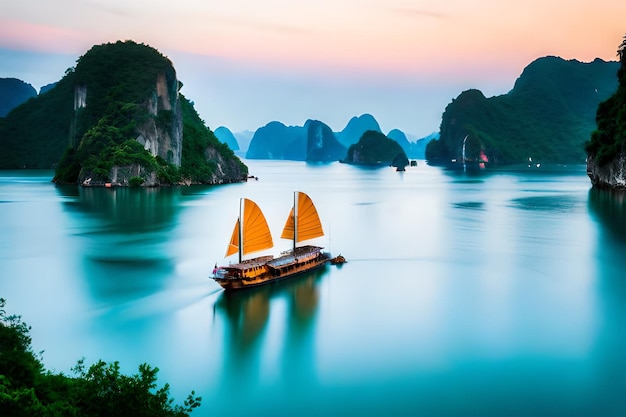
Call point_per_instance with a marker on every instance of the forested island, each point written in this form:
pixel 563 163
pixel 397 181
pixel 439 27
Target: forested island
pixel 606 156
pixel 117 118
pixel 376 149
pixel 546 118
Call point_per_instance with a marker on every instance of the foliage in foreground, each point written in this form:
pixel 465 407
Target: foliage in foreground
pixel 27 389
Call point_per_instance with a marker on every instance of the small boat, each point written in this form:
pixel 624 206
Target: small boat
pixel 338 260
pixel 252 234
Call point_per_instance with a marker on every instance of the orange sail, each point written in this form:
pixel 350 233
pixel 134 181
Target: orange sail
pixel 305 218
pixel 233 246
pixel 254 234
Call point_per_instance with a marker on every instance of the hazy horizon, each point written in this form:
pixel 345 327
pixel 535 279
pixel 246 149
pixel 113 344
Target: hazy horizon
pixel 245 63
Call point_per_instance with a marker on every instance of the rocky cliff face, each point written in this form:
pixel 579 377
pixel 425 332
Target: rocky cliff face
pixel 322 145
pixel 163 139
pixel 121 175
pixel 227 170
pixel 159 131
pixel 611 175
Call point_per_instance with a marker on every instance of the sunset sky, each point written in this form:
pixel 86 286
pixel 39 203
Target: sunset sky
pixel 245 63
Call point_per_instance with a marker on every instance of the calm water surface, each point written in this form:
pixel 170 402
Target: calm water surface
pixel 497 294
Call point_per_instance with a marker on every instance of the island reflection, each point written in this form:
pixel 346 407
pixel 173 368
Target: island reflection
pixel 121 237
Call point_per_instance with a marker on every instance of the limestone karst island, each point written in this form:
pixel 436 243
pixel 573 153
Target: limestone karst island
pixel 118 118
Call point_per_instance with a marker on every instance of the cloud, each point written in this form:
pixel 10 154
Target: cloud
pixel 418 13
pixel 16 34
pixel 264 26
pixel 113 9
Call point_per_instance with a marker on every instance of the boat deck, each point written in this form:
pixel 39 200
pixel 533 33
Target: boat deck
pixel 251 263
pixel 290 257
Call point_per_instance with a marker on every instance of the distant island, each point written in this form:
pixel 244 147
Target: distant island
pixel 313 142
pixel 606 156
pixel 546 118
pixel 355 129
pixel 322 145
pixel 278 141
pixel 117 119
pixel 375 149
pixel 14 92
pixel 226 136
pixel 316 142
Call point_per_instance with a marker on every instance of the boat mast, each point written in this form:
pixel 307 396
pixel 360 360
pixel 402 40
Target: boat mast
pixel 295 220
pixel 240 230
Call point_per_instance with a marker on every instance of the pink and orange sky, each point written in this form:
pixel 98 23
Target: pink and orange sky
pixel 245 63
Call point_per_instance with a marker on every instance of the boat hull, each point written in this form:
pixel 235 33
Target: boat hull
pixel 254 274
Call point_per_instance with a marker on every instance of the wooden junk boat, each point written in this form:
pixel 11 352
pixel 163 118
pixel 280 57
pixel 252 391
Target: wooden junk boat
pixel 252 234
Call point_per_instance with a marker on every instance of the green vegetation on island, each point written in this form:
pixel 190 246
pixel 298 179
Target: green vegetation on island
pixel 28 389
pixel 35 134
pixel 607 141
pixel 547 116
pixel 205 158
pixel 376 149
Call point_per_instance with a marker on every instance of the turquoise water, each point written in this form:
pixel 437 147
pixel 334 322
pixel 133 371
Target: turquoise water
pixel 495 294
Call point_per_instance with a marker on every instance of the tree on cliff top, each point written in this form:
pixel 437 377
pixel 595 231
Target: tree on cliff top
pixel 621 51
pixel 607 141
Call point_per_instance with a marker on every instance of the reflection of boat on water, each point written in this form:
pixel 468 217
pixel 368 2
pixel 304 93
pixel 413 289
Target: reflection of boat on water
pixel 246 316
pixel 252 234
pixel 248 312
pixel 251 309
